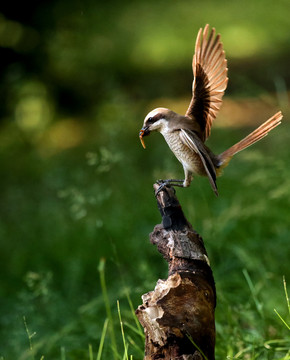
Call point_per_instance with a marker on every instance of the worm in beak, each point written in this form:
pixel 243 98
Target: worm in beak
pixel 143 132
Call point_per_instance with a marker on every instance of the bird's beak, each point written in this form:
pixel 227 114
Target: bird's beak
pixel 144 132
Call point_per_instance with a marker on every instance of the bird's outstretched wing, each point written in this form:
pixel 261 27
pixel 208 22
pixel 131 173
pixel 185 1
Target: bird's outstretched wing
pixel 210 79
pixel 190 139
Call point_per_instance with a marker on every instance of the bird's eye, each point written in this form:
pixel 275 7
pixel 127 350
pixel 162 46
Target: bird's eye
pixel 150 120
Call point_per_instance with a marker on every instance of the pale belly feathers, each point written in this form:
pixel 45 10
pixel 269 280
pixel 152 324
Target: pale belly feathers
pixel 188 158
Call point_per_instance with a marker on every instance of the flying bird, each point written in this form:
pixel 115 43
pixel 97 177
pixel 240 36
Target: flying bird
pixel 186 134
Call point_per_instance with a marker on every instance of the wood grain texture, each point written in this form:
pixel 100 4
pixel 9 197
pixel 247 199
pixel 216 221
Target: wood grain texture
pixel 179 312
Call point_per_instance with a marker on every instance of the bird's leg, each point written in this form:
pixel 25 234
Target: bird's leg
pixel 188 178
pixel 170 182
pixel 174 182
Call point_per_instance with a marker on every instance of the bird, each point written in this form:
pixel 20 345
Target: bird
pixel 186 134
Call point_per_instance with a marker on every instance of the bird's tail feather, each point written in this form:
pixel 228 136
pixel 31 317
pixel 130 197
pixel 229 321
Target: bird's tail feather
pixel 253 137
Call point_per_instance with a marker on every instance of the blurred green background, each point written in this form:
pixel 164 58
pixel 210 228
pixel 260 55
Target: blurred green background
pixel 77 79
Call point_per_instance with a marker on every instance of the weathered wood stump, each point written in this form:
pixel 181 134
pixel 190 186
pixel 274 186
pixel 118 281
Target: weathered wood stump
pixel 178 315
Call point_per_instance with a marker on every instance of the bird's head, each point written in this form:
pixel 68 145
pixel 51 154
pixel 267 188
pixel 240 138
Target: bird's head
pixel 156 120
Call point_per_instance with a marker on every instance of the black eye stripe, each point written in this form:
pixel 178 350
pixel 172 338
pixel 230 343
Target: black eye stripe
pixel 151 120
pixel 155 118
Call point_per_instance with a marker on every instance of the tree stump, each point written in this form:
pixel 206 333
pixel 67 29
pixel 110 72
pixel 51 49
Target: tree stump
pixel 178 315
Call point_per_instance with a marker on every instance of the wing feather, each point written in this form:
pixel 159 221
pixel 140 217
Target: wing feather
pixel 210 79
pixel 190 139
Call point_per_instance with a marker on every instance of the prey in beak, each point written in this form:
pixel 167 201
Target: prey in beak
pixel 154 121
pixel 186 134
pixel 144 132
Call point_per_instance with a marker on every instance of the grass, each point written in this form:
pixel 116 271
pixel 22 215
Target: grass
pixel 74 231
pixel 288 305
pixel 68 223
pixel 76 197
pixel 108 308
pixel 277 348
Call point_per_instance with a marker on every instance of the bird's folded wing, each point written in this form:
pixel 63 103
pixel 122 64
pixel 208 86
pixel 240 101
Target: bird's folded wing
pixel 210 79
pixel 191 140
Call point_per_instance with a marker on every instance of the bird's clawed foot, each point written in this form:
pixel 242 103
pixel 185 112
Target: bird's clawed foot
pixel 168 182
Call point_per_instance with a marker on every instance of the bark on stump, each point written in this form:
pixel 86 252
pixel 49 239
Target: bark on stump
pixel 178 315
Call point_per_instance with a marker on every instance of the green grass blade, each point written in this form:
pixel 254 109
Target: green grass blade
pixel 91 354
pixel 30 336
pixel 135 346
pixel 101 269
pixel 62 353
pixel 288 305
pixel 258 304
pixel 286 294
pixel 283 321
pixel 198 348
pixel 136 331
pixel 140 329
pixel 122 331
pixel 104 331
